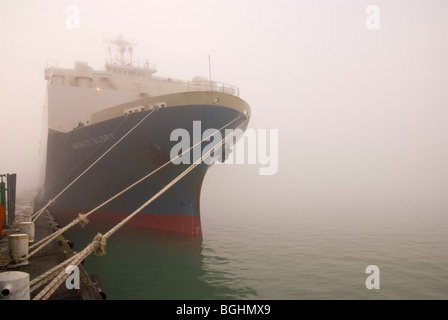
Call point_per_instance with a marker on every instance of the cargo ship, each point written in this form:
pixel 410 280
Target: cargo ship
pixel 109 128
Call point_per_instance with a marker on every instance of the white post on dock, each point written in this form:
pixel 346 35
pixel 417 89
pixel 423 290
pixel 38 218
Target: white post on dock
pixel 18 248
pixel 14 285
pixel 27 227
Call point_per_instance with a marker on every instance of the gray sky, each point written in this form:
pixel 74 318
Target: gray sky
pixel 362 114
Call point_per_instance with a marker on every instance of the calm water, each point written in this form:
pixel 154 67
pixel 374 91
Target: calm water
pixel 283 255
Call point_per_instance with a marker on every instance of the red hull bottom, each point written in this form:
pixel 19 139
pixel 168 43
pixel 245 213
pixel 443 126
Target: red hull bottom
pixel 186 225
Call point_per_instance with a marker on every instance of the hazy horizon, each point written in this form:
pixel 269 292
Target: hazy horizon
pixel 361 114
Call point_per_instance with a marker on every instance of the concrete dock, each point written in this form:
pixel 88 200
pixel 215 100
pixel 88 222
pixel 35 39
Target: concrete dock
pixel 53 254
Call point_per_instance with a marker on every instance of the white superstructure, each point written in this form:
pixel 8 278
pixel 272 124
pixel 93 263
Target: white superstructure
pixel 74 94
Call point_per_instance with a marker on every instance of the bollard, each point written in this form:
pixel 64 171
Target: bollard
pixel 18 248
pixel 22 217
pixel 14 285
pixel 27 228
pixel 29 210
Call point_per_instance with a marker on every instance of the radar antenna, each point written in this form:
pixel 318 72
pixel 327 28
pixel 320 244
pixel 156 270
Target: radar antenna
pixel 122 46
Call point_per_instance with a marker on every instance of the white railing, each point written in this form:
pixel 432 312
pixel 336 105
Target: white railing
pixel 128 69
pixel 214 87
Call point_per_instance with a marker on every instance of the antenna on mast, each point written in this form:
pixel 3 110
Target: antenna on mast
pixel 210 73
pixel 122 46
pixel 209 69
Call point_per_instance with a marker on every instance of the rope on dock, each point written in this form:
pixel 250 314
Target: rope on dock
pixel 48 275
pixel 99 242
pixel 51 201
pixel 96 245
pixel 82 218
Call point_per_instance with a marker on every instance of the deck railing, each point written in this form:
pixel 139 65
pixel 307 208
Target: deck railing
pixel 214 87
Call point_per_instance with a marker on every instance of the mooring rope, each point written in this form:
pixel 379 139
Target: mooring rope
pixel 45 293
pixel 48 275
pixel 51 201
pixel 99 242
pixel 82 218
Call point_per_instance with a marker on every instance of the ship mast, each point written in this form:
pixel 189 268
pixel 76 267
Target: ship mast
pixel 123 46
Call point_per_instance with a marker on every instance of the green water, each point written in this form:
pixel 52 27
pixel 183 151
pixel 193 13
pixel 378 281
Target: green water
pixel 311 255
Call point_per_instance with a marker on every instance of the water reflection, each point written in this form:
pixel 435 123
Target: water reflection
pixel 145 264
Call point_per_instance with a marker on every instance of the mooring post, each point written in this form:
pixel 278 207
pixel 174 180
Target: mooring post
pixel 2 201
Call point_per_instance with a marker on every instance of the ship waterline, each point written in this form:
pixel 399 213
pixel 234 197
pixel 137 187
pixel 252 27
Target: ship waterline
pixel 110 145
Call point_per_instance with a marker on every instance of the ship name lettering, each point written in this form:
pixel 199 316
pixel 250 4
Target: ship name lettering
pixel 93 141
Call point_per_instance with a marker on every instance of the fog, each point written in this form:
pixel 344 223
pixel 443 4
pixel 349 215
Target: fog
pixel 361 113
